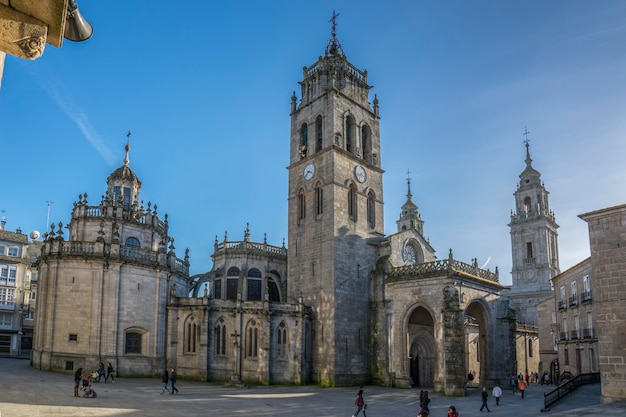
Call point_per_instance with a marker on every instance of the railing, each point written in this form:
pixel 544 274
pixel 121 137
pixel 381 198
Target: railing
pixel 573 300
pixel 562 391
pixel 588 333
pixel 562 305
pixel 78 247
pixel 443 266
pixel 342 65
pixel 132 252
pixel 563 336
pixel 574 335
pixel 585 297
pixel 251 246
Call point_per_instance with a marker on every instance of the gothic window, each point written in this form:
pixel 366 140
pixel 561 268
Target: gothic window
pixel 220 338
pixel 352 202
pixel 252 340
pixel 254 285
pixel 371 209
pixel 272 289
pixel 133 342
pixel 366 143
pixel 350 134
pixel 301 206
pixel 318 134
pixel 133 241
pixel 527 205
pixel 191 336
pixel 319 199
pixel 282 340
pixel 217 289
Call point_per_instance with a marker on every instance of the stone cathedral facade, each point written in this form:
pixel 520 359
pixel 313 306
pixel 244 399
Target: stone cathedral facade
pixel 346 304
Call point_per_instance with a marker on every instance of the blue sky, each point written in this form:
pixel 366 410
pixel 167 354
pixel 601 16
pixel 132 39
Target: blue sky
pixel 206 89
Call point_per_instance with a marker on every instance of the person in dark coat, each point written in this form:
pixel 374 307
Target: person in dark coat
pixel 78 375
pixel 173 381
pixel 165 379
pixel 485 396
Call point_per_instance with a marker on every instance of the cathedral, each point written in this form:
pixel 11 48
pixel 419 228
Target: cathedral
pixel 344 303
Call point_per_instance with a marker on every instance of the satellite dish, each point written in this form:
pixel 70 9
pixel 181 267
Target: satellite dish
pixel 34 235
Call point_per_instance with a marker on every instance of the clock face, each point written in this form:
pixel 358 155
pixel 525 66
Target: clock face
pixel 408 254
pixel 309 170
pixel 361 175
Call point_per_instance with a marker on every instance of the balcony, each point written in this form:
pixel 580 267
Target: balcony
pixel 562 305
pixel 563 336
pixel 574 335
pixel 573 300
pixel 588 333
pixel 585 297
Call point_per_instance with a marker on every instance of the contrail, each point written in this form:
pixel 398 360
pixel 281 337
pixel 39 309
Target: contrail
pixel 486 262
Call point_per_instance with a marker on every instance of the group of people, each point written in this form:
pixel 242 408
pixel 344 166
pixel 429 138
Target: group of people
pixel 168 378
pixel 82 382
pixel 519 383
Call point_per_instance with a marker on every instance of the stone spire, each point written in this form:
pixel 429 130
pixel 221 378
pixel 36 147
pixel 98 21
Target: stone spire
pixel 409 215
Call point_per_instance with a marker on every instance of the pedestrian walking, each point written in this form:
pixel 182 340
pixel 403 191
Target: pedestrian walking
pixel 165 379
pixel 522 387
pixel 173 381
pixel 110 372
pixel 497 392
pixel 101 373
pixel 426 402
pixel 360 403
pixel 513 383
pixel 485 397
pixel 452 412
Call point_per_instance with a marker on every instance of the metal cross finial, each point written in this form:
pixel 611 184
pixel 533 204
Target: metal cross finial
pixel 128 136
pixel 526 133
pixel 334 47
pixel 408 174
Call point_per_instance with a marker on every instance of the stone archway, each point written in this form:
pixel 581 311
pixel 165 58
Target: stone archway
pixel 477 342
pixel 422 353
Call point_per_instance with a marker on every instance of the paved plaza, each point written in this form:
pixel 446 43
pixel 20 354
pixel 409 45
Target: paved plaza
pixel 28 392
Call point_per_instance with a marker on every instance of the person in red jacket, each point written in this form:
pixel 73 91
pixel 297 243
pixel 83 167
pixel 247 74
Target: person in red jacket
pixel 452 412
pixel 360 403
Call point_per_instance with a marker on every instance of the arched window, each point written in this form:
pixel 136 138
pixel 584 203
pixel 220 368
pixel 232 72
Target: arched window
pixel 527 205
pixel 371 209
pixel 191 336
pixel 133 241
pixel 232 283
pixel 349 134
pixel 318 134
pixel 217 289
pixel 281 335
pixel 319 199
pixel 220 337
pixel 352 202
pixel 252 339
pixel 254 285
pixel 301 206
pixel 272 289
pixel 304 137
pixel 133 341
pixel 366 143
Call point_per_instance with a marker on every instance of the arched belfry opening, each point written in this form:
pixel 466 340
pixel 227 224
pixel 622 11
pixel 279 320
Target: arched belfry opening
pixel 422 352
pixel 477 342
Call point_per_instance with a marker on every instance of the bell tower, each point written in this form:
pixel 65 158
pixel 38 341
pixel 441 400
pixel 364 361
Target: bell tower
pixel 534 243
pixel 335 212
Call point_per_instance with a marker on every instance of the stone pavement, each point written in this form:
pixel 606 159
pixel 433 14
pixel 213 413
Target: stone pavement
pixel 27 392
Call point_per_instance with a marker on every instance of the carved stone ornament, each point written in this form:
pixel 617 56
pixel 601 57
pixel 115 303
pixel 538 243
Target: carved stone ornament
pixel 32 46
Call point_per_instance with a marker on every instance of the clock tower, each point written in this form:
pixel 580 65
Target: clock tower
pixel 533 242
pixel 335 213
